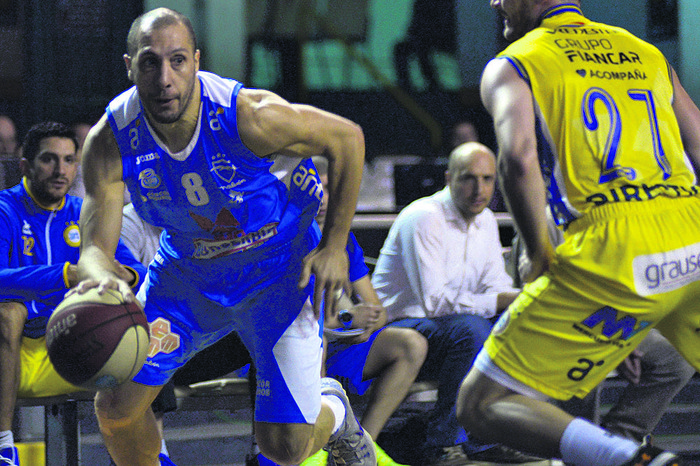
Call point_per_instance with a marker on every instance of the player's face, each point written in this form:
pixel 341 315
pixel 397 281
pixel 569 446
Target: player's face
pixel 472 181
pixel 164 70
pixel 53 170
pixel 519 17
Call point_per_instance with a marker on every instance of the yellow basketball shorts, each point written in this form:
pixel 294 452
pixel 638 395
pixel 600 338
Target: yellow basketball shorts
pixel 622 269
pixel 38 376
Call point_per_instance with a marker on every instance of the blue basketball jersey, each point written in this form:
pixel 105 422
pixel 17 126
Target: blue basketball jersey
pixel 214 198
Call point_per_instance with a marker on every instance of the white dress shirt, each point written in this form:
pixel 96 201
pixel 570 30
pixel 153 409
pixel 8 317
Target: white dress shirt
pixel 433 263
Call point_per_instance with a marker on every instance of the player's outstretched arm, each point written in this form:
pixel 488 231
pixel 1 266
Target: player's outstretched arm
pixel 688 117
pixel 270 125
pixel 101 214
pixel 508 99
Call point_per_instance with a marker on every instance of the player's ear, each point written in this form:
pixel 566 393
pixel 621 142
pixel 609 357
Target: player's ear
pixel 25 167
pixel 127 62
pixel 197 54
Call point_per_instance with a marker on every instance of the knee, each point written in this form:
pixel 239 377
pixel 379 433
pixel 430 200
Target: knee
pixel 414 346
pixel 112 414
pixel 404 344
pixel 285 444
pixel 472 408
pixel 13 316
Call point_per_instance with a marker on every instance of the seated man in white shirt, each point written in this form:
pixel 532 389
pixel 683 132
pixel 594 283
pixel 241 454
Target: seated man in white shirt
pixel 441 272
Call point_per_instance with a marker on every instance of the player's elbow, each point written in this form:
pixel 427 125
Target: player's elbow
pixel 512 164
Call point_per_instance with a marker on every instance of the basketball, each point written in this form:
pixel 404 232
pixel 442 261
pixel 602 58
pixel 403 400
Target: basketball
pixel 97 341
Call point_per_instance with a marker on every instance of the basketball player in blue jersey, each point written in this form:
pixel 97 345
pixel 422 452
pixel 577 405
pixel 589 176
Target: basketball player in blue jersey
pixel 594 122
pixel 238 246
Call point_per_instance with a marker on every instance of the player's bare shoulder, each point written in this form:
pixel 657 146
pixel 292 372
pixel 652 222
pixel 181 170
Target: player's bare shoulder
pixel 264 120
pixel 100 141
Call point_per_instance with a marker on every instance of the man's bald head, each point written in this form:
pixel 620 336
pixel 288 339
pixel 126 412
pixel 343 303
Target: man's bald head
pixel 471 177
pixel 156 19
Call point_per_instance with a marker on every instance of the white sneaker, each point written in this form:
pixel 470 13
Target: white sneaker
pixel 351 445
pixel 9 456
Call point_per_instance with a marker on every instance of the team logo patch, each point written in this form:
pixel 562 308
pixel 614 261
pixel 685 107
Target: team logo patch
pixel 71 235
pixel 223 168
pixel 163 339
pixel 149 179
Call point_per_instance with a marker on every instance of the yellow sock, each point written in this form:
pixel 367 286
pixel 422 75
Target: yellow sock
pixel 320 458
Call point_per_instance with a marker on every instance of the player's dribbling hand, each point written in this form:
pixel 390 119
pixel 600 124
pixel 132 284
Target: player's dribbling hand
pixel 102 286
pixel 123 273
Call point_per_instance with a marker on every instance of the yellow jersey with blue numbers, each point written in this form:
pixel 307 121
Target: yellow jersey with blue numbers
pixel 603 135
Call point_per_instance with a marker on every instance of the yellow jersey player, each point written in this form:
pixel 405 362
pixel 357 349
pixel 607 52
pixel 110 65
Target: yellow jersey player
pixel 594 122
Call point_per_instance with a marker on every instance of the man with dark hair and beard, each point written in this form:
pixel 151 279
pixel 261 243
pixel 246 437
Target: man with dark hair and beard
pixel 39 249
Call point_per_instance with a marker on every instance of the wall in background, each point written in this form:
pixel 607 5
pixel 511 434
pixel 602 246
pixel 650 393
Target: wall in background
pixel 327 67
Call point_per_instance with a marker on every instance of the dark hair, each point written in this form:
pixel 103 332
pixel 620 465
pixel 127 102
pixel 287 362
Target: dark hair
pixel 41 131
pixel 162 17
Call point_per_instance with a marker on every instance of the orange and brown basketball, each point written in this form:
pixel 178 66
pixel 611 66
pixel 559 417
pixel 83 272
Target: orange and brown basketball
pixel 97 341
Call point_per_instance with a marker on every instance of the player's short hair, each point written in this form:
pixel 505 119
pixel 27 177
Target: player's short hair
pixel 41 131
pixel 161 17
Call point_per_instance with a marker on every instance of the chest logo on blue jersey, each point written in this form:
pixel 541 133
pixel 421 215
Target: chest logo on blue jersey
pixel 224 227
pixel 147 158
pixel 71 235
pixel 306 179
pixel 149 179
pixel 228 236
pixel 223 168
pixel 28 241
pixel 214 122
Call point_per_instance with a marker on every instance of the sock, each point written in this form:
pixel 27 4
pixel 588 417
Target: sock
pixel 585 444
pixel 6 439
pixel 163 448
pixel 338 409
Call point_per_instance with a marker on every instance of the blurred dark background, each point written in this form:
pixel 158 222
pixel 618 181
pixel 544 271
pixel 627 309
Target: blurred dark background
pixel 363 59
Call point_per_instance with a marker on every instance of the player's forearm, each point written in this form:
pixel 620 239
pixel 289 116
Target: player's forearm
pixel 345 175
pixel 95 264
pixel 524 191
